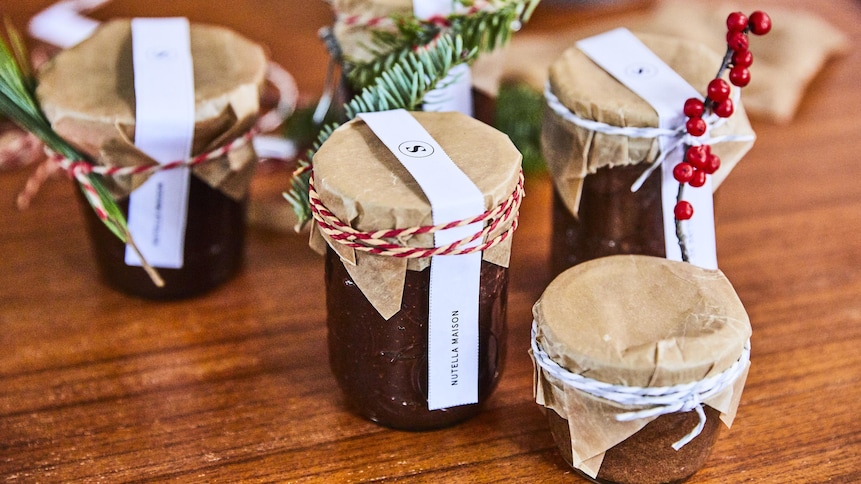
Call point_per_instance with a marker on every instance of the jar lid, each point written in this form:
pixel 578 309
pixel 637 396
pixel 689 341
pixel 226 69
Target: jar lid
pixel 363 184
pixel 591 93
pixel 642 321
pixel 87 93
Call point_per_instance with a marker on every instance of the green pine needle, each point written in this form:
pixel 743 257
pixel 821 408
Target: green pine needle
pixel 483 31
pixel 408 64
pixel 18 103
pixel 403 86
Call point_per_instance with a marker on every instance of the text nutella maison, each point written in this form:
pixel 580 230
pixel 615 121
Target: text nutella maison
pixel 455 331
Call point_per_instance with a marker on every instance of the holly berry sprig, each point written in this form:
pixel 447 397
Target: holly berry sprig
pixel 699 161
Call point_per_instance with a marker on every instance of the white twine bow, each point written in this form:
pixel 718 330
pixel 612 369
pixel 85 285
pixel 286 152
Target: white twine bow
pixel 679 135
pixel 656 400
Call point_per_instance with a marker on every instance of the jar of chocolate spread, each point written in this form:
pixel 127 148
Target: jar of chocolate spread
pixel 88 93
pixel 352 41
pixel 638 360
pixel 371 210
pixel 594 163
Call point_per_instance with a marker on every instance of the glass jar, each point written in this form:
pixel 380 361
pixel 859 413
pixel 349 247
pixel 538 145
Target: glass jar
pixel 351 37
pixel 594 164
pixel 611 334
pixel 382 365
pixel 647 457
pixel 88 94
pixel 617 221
pixel 378 304
pixel 212 254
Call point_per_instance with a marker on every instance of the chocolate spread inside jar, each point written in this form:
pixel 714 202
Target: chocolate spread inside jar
pixel 212 253
pixel 612 219
pixel 648 457
pixel 381 365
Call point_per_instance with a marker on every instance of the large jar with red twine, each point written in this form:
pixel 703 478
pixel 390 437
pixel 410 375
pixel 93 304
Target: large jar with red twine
pixel 375 227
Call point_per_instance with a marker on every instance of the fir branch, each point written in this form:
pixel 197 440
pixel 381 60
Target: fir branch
pixel 18 103
pixel 483 31
pixel 403 86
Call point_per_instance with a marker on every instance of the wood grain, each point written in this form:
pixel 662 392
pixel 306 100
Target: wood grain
pixel 235 385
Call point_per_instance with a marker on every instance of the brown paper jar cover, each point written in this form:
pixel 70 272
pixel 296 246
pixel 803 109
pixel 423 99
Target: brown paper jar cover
pixel 377 306
pixel 87 93
pixel 637 321
pixel 595 212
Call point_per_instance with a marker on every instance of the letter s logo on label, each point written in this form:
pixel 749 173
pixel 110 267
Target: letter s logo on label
pixel 415 149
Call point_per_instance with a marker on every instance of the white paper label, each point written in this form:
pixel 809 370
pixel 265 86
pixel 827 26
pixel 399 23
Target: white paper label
pixel 627 59
pixel 164 130
pixel 454 92
pixel 454 279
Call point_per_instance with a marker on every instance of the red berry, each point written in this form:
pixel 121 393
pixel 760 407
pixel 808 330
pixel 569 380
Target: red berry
pixel 694 108
pixel 683 172
pixel 718 90
pixel 742 58
pixel 696 156
pixel 712 164
pixel 739 76
pixel 737 41
pixel 683 210
pixel 696 126
pixel 724 109
pixel 760 23
pixel 699 179
pixel 736 21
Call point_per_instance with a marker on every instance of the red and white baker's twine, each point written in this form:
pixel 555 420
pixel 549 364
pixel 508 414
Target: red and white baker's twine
pixel 371 21
pixel 379 243
pixel 81 169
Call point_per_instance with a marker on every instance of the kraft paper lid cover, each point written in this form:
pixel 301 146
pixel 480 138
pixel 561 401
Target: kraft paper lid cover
pixel 636 321
pixel 87 93
pixel 364 185
pixel 585 89
pixel 642 321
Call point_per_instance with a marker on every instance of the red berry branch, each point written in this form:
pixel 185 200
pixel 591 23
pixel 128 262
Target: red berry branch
pixel 699 161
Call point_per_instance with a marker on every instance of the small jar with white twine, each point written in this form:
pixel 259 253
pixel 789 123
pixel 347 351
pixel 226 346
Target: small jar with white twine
pixel 415 213
pixel 604 145
pixel 638 360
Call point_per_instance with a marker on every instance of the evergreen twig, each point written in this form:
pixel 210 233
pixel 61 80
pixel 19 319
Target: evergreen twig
pixel 18 103
pixel 483 31
pixel 403 85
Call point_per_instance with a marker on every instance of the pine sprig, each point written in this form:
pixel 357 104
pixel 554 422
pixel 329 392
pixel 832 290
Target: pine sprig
pixel 483 31
pixel 402 86
pixel 18 103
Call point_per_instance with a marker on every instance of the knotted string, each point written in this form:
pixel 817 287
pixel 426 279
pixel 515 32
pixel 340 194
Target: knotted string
pixel 79 169
pixel 656 400
pixel 380 242
pixel 678 135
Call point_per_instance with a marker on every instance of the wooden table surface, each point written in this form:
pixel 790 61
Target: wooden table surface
pixel 235 385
